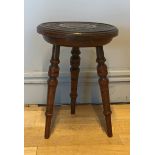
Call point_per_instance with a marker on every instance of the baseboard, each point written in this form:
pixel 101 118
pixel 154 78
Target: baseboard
pixel 84 77
pixel 88 89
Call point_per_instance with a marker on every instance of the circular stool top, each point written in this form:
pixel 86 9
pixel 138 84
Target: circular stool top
pixel 82 34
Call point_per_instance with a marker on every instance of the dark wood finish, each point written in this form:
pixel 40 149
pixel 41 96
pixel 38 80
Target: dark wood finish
pixel 75 35
pixel 53 73
pixel 75 63
pixel 104 87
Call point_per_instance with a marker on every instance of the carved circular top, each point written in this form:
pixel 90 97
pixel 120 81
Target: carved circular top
pixel 77 27
pixel 69 32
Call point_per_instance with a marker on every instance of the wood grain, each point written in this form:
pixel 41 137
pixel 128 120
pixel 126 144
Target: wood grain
pixel 30 150
pixel 82 133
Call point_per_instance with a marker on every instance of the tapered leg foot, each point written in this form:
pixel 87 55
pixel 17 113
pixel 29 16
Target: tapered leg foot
pixel 53 73
pixel 109 126
pixel 104 87
pixel 75 63
pixel 47 126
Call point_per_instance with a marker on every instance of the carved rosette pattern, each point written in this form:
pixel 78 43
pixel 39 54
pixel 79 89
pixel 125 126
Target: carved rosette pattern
pixel 104 87
pixel 53 73
pixel 75 63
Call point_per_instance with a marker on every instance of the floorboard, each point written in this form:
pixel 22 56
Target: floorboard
pixel 82 133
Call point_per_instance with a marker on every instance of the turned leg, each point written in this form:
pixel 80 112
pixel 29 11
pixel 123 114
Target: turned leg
pixel 75 62
pixel 104 88
pixel 53 73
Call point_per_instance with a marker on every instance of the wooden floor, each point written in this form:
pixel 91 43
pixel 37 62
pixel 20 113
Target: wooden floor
pixel 79 134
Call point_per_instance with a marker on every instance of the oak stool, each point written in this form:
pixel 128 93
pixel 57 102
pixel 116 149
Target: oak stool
pixel 75 35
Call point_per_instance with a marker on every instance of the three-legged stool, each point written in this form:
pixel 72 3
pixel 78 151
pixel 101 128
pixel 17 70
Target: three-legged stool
pixel 75 35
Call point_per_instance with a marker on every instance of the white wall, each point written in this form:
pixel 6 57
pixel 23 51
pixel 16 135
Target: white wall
pixel 38 52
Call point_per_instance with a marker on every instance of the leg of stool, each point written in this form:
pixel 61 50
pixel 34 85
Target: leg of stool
pixel 75 63
pixel 53 73
pixel 104 88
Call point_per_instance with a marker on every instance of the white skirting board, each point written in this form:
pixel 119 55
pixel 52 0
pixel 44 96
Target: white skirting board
pixel 35 88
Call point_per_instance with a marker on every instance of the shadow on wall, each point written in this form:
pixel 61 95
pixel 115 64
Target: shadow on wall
pixel 85 94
